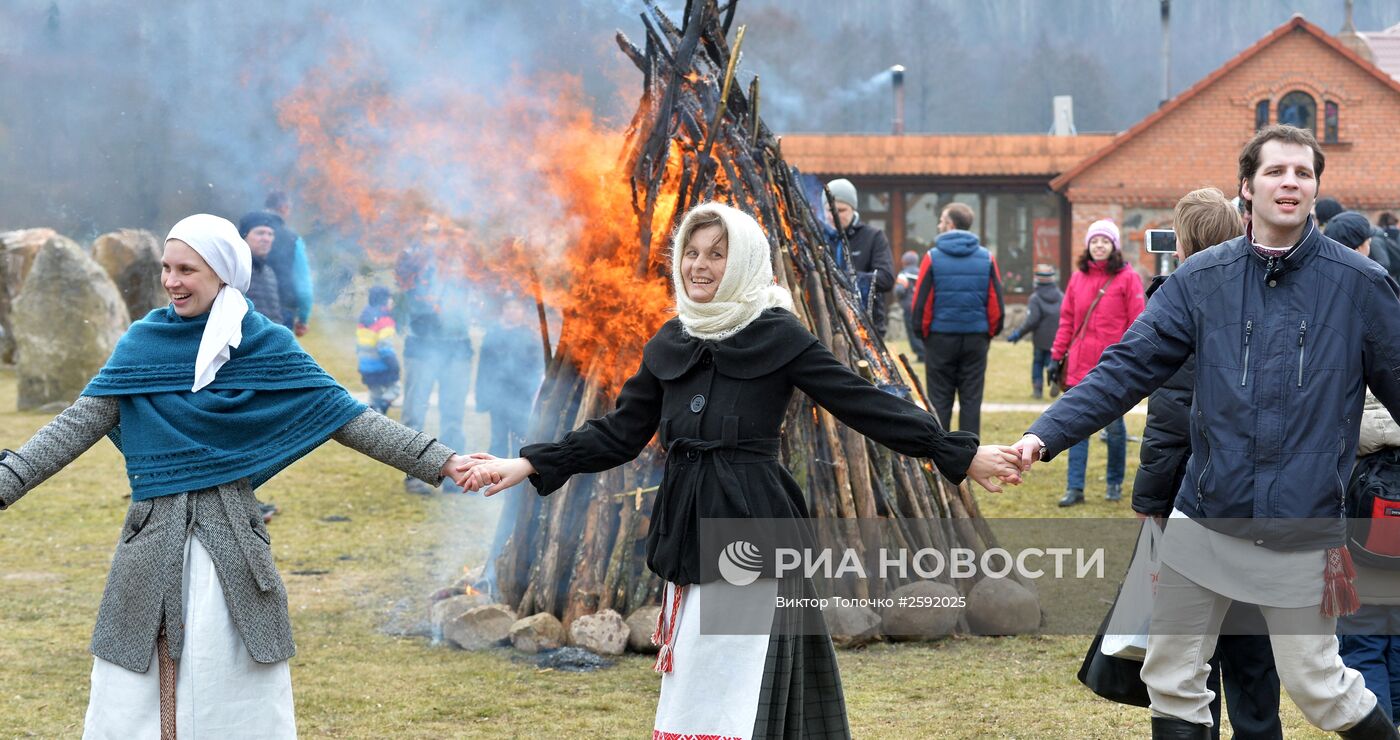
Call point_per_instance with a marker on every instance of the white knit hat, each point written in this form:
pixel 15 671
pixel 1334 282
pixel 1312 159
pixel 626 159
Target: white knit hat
pixel 843 191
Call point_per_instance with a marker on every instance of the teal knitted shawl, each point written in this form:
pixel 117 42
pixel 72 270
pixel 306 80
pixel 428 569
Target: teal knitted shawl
pixel 270 405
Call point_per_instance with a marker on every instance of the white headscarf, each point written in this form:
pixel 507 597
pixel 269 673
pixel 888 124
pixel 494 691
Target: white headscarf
pixel 217 241
pixel 747 287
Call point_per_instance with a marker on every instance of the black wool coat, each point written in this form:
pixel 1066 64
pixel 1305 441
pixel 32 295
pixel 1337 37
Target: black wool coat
pixel 1166 440
pixel 719 407
pixel 870 252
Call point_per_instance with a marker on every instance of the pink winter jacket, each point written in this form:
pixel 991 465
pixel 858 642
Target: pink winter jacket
pixel 1121 304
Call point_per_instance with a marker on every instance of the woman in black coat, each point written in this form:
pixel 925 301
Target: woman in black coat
pixel 716 381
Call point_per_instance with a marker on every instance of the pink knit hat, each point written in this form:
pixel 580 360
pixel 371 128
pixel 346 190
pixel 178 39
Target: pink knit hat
pixel 1104 227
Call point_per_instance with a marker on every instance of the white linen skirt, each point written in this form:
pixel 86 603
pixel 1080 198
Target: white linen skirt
pixel 712 690
pixel 220 691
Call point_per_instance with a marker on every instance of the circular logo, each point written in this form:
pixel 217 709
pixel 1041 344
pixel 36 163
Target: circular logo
pixel 740 563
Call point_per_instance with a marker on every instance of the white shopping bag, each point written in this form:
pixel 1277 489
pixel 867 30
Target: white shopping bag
pixel 1126 633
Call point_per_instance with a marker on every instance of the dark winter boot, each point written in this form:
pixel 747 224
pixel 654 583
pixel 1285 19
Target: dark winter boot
pixel 1072 496
pixel 1171 728
pixel 1114 492
pixel 1037 390
pixel 1376 726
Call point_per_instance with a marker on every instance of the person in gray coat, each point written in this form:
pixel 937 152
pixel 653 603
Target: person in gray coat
pixel 1042 319
pixel 257 229
pixel 206 399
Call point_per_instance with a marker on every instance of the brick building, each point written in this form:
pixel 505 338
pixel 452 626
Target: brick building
pixel 1297 74
pixel 1037 194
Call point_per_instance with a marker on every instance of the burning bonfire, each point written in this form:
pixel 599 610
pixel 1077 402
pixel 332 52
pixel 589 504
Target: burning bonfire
pixel 599 207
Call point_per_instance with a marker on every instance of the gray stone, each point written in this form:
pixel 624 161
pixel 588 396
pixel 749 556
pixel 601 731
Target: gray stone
pixel 641 625
pixel 1002 606
pixel 930 610
pixel 537 632
pixel 17 251
pixel 444 610
pixel 851 626
pixel 66 321
pixel 131 257
pixel 604 633
pixel 480 627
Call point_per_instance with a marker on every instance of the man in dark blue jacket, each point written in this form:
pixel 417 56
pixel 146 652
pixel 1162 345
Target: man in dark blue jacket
pixel 1288 329
pixel 957 311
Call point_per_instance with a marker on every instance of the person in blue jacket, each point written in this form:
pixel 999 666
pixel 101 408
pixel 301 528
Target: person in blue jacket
pixel 1288 329
pixel 288 260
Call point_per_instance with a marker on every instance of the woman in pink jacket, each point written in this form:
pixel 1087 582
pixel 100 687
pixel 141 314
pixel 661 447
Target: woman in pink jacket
pixel 1086 329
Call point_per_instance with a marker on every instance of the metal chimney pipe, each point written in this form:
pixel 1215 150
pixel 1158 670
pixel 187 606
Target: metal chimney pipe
pixel 897 81
pixel 1166 52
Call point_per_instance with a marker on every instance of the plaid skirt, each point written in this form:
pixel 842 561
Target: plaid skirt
pixel 729 680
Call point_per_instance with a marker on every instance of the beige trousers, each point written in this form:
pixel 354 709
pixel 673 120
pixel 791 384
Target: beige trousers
pixel 1186 620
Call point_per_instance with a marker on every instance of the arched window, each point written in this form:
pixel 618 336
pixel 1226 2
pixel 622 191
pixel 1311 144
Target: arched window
pixel 1329 121
pixel 1261 114
pixel 1298 109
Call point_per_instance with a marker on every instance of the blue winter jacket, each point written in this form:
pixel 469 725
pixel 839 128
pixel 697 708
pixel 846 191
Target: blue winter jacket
pixel 1284 353
pixel 959 291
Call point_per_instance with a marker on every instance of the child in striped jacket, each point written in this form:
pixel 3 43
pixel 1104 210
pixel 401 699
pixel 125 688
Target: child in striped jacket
pixel 374 340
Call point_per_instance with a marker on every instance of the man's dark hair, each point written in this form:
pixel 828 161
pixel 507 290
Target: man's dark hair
pixel 1387 220
pixel 960 215
pixel 1249 156
pixel 276 200
pixel 1327 209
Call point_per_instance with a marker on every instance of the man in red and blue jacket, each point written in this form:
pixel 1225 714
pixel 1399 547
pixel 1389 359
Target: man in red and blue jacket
pixel 957 310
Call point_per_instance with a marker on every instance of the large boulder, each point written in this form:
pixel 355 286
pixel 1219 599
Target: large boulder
pixel 131 258
pixel 641 625
pixel 67 320
pixel 851 625
pixel 17 252
pixel 604 633
pixel 480 627
pixel 1002 606
pixel 450 608
pixel 537 632
pixel 923 610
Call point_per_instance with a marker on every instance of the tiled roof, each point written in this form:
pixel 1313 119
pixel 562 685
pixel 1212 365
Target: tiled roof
pixel 939 154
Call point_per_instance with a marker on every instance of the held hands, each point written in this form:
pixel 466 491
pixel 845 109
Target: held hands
pixel 1028 451
pixel 456 468
pixel 995 465
pixel 494 474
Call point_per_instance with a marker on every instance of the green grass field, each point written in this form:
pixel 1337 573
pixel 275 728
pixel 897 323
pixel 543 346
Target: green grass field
pixel 360 557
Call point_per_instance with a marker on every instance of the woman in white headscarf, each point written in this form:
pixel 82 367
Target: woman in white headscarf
pixel 716 381
pixel 206 400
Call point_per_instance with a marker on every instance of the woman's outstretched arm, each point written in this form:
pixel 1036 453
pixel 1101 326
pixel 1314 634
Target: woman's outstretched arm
pixel 56 444
pixel 897 423
pixel 598 445
pixel 415 453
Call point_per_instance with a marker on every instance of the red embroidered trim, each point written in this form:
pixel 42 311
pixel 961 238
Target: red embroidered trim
pixel 659 735
pixel 665 658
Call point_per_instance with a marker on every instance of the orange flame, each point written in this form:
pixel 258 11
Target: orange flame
pixel 527 193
